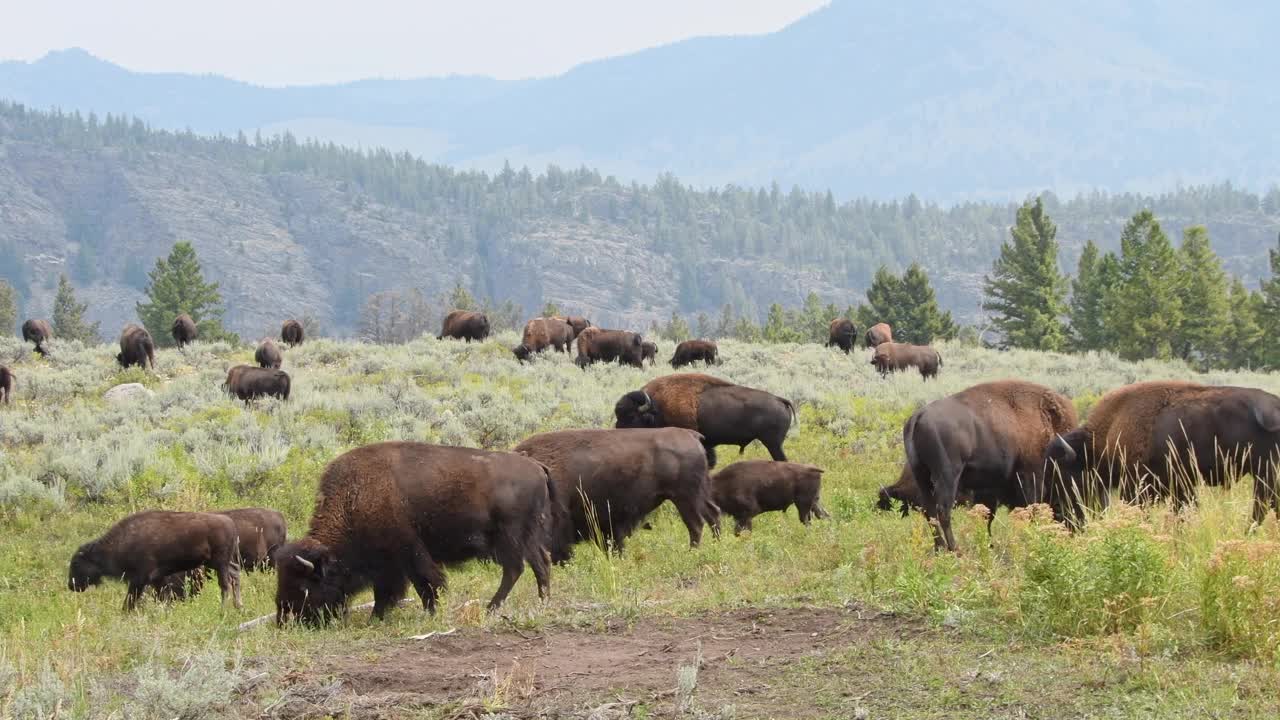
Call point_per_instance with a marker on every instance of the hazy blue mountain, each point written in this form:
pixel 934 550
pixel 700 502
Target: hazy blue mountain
pixel 992 98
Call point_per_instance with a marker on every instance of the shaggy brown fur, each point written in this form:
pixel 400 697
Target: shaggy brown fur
pixel 37 331
pixel 147 548
pixel 183 330
pixel 879 334
pixel 895 357
pixel 679 396
pixel 6 384
pixel 691 351
pixel 745 489
pixel 542 333
pixel 136 347
pixel 577 323
pixel 983 439
pixel 291 333
pixel 842 333
pixel 649 351
pixel 247 382
pixel 268 355
pixel 394 512
pixel 261 532
pixel 599 345
pixel 464 325
pixel 907 493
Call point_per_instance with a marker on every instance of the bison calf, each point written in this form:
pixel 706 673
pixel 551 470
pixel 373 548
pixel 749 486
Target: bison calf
pixel 746 489
pixel 247 382
pixel 268 355
pixel 649 351
pixel 895 357
pixel 691 351
pixel 261 532
pixel 146 549
pixel 6 384
pixel 291 333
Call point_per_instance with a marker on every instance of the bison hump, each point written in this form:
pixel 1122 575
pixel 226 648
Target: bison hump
pixel 678 396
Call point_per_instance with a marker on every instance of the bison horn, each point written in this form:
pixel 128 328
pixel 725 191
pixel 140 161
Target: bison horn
pixel 648 402
pixel 305 562
pixel 1068 454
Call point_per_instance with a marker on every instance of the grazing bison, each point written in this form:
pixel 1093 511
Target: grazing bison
pixel 750 487
pixel 894 357
pixel 724 413
pixel 247 382
pixel 597 345
pixel 907 493
pixel 691 351
pixel 261 532
pixel 542 333
pixel 397 509
pixel 842 333
pixel 6 384
pixel 649 351
pixel 36 331
pixel 464 325
pixel 1154 439
pixel 184 329
pixel 268 355
pixel 146 549
pixel 879 334
pixel 622 476
pixel 291 333
pixel 577 323
pixel 136 347
pixel 988 439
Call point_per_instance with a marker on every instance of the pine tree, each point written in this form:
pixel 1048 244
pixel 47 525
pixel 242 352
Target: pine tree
pixel 68 316
pixel 177 286
pixel 725 327
pixel 550 309
pixel 1203 293
pixel 1089 290
pixel 461 299
pixel 1146 310
pixel 676 330
pixel 1243 344
pixel 8 308
pixel 921 320
pixel 1269 310
pixel 814 320
pixel 1025 291
pixel 778 327
pixel 886 299
pixel 704 328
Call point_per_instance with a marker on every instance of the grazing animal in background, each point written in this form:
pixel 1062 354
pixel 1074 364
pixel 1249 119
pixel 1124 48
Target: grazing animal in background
pixel 988 439
pixel 184 330
pixel 247 382
pixel 136 347
pixel 542 333
pixel 895 357
pixel 608 481
pixel 649 351
pixel 691 351
pixel 268 355
pixel 37 331
pixel 842 333
pixel 577 323
pixel 147 548
pixel 878 334
pixel 464 325
pixel 261 532
pixel 747 488
pixel 724 413
pixel 6 384
pixel 597 345
pixel 291 333
pixel 397 509
pixel 1152 439
pixel 907 494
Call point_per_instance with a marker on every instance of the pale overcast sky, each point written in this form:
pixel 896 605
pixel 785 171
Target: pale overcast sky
pixel 277 42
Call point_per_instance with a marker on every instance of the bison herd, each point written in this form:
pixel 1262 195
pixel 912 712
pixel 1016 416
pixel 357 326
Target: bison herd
pixel 392 514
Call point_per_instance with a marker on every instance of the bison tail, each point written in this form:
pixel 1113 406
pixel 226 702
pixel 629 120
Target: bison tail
pixel 792 409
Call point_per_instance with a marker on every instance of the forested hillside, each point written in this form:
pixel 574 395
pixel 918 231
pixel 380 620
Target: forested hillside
pixel 292 228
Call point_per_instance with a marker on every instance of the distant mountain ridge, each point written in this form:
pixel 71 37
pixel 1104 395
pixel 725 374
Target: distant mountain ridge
pixel 987 99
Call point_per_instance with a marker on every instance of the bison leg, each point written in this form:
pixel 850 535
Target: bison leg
pixel 134 593
pixel 711 454
pixel 740 523
pixel 691 514
pixel 512 562
pixel 1266 495
pixel 540 562
pixel 775 449
pixel 388 589
pixel 426 576
pixel 229 582
pixel 711 515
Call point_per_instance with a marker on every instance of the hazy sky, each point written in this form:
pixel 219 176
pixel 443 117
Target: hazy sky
pixel 277 42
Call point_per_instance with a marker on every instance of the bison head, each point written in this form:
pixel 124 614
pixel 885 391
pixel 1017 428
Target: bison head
pixel 637 410
pixel 309 583
pixel 86 569
pixel 1065 461
pixel 521 352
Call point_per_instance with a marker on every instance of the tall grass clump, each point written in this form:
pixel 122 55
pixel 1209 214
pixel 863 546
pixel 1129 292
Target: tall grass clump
pixel 1240 599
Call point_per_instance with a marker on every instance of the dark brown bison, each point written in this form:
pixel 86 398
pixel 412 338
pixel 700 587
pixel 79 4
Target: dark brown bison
pixel 842 333
pixel 597 345
pixel 577 323
pixel 464 325
pixel 907 494
pixel 988 439
pixel 1156 439
pixel 268 355
pixel 247 382
pixel 397 509
pixel 147 548
pixel 36 331
pixel 750 487
pixel 691 351
pixel 184 329
pixel 261 532
pixel 136 347
pixel 291 333
pixel 649 351
pixel 542 333
pixel 895 357
pixel 622 476
pixel 724 413
pixel 879 334
pixel 6 384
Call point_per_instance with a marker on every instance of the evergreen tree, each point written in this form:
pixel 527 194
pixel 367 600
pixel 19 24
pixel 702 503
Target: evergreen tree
pixel 886 299
pixel 746 330
pixel 177 286
pixel 1203 293
pixel 1269 311
pixel 550 309
pixel 778 327
pixel 704 328
pixel 725 327
pixel 1243 344
pixel 814 320
pixel 8 307
pixel 68 316
pixel 1146 309
pixel 461 299
pixel 676 330
pixel 1025 291
pixel 1089 290
pixel 921 320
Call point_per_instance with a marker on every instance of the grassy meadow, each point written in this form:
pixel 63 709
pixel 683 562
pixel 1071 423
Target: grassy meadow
pixel 1185 608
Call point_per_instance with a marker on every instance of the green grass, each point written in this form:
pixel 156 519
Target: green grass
pixel 1191 597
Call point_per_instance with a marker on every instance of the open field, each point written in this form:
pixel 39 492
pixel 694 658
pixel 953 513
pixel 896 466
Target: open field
pixel 1146 614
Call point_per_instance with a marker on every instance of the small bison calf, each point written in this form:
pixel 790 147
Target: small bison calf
pixel 149 548
pixel 746 489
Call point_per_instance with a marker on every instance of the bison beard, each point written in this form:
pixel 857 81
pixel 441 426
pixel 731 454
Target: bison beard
pixel 392 513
